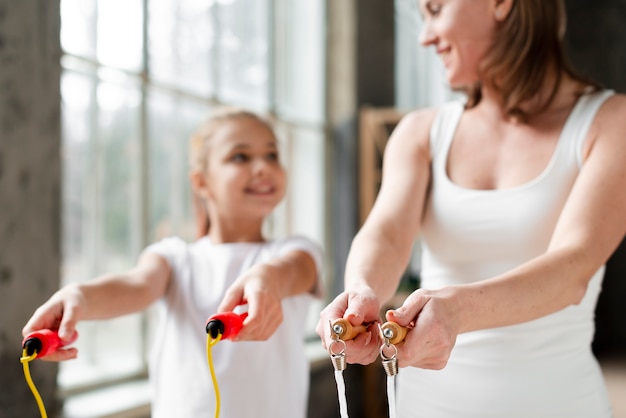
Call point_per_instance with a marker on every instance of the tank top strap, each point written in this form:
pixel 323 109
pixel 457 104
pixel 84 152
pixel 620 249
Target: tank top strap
pixel 576 128
pixel 443 127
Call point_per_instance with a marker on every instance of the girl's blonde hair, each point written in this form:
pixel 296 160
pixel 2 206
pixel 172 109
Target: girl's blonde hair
pixel 201 138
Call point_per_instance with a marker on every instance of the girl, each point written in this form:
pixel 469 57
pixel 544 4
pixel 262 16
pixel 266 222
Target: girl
pixel 236 172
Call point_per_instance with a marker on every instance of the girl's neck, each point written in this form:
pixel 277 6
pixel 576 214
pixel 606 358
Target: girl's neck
pixel 219 233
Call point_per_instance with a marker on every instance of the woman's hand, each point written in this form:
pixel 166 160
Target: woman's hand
pixel 60 313
pixel 432 316
pixel 359 308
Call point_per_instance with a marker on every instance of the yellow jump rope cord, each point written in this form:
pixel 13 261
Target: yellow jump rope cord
pixel 210 342
pixel 25 359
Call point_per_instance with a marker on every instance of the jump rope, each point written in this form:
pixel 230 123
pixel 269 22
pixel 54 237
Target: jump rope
pixel 226 326
pixel 341 330
pixel 35 345
pixel 221 326
pixel 38 344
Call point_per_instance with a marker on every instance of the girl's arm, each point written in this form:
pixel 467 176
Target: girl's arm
pixel 114 295
pixel 264 286
pixel 107 296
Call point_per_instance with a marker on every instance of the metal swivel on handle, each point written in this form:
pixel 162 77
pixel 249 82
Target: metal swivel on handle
pixel 394 332
pixel 344 330
pixel 338 358
pixel 390 363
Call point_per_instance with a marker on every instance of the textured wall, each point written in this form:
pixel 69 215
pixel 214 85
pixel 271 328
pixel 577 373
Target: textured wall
pixel 596 35
pixel 29 189
pixel 596 41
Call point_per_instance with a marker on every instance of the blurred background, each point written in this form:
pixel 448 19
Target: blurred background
pixel 97 102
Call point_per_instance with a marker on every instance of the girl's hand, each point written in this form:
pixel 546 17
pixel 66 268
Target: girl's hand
pixel 359 308
pixel 429 344
pixel 264 286
pixel 60 313
pixel 260 288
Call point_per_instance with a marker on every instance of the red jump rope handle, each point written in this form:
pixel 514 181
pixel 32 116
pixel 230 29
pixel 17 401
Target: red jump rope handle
pixel 44 342
pixel 226 323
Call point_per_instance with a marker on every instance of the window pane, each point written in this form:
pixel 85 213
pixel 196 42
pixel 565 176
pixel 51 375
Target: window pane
pixel 243 52
pixel 172 120
pixel 181 43
pixel 101 149
pixel 120 28
pixel 118 182
pixel 300 65
pixel 78 22
pixel 77 91
pixel 305 200
pixel 306 193
pixel 420 75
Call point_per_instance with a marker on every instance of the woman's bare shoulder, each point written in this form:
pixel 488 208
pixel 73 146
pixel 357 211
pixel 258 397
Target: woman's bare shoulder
pixel 608 127
pixel 419 118
pixel 414 129
pixel 614 108
pixel 611 118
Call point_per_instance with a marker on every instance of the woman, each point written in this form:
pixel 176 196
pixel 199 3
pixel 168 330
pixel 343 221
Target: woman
pixel 519 197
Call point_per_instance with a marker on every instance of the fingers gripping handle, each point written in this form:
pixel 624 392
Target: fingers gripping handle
pixel 228 324
pixel 393 332
pixel 344 330
pixel 44 342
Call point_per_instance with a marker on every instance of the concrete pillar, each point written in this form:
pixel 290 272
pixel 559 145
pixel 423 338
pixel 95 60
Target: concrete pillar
pixel 30 189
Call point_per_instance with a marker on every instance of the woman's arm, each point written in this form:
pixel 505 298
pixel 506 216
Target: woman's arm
pixel 589 229
pixel 381 250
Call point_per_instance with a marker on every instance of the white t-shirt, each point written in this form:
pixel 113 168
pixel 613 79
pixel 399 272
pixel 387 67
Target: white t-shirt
pixel 256 379
pixel 539 369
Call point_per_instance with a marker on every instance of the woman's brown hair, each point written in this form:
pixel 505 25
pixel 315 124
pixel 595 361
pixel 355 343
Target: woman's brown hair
pixel 527 48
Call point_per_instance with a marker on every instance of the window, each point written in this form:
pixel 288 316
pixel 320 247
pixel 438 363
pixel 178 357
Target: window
pixel 420 76
pixel 138 77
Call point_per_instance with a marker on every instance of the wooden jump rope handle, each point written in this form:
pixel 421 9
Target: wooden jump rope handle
pixel 344 330
pixel 393 332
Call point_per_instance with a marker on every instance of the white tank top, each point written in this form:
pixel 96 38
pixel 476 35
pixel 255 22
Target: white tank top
pixel 541 368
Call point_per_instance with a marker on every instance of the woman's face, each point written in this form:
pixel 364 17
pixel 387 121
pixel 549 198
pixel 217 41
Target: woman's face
pixel 244 177
pixel 461 32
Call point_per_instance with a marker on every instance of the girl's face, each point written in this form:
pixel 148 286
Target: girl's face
pixel 244 177
pixel 461 32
